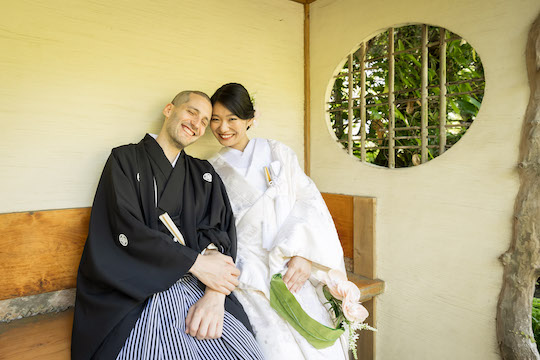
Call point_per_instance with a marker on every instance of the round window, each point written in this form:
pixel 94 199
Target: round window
pixel 406 95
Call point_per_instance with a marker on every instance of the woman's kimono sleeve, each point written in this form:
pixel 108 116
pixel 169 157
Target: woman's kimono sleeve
pixel 308 230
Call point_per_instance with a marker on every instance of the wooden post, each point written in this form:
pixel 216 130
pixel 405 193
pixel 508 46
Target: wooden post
pixel 363 102
pixel 364 265
pixel 522 260
pixel 307 95
pixel 391 99
pixel 364 236
pixel 424 94
pixel 350 106
pixel 442 93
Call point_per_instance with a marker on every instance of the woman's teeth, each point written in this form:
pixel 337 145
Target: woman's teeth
pixel 225 137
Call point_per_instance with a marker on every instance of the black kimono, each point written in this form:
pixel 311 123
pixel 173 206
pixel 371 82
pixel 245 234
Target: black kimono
pixel 129 255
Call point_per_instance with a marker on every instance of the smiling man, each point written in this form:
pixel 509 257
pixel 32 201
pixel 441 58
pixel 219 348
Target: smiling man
pixel 141 294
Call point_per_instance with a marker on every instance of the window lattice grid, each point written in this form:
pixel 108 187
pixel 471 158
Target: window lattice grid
pixel 401 100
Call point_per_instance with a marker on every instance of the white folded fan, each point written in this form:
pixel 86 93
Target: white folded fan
pixel 169 224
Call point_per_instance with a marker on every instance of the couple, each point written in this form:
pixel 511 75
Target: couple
pixel 141 294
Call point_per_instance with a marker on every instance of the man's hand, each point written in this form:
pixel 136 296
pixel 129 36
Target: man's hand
pixel 204 319
pixel 217 271
pixel 299 270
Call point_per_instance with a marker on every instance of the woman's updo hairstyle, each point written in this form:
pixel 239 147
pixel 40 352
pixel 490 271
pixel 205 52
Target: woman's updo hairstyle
pixel 236 98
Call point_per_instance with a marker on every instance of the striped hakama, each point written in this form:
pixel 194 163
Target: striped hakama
pixel 159 333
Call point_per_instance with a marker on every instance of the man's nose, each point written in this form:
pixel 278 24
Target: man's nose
pixel 196 122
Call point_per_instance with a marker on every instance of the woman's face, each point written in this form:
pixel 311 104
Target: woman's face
pixel 229 129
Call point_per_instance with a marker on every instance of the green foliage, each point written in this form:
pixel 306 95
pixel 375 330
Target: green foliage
pixel 536 321
pixel 463 65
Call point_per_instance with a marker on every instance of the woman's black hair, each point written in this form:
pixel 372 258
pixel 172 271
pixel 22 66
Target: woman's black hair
pixel 236 99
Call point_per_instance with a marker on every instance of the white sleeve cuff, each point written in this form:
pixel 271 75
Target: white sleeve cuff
pixel 211 246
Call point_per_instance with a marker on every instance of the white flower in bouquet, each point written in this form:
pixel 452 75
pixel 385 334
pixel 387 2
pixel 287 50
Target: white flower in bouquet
pixel 343 296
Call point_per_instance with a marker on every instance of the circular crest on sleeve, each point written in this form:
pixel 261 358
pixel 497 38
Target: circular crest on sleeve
pixel 123 239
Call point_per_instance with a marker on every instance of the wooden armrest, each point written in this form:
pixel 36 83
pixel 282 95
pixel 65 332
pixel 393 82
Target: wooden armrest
pixel 368 287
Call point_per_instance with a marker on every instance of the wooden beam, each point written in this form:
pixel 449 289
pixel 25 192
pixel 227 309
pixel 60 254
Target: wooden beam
pixel 366 339
pixel 369 288
pixel 364 236
pixel 307 95
pixel 40 251
pixel 424 95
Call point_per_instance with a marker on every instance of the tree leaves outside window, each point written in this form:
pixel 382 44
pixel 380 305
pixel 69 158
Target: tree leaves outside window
pixel 403 138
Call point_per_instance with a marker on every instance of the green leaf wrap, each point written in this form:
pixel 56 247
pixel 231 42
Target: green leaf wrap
pixel 286 305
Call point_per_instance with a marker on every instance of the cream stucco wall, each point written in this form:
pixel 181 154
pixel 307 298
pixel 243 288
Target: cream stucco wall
pixel 440 226
pixel 80 77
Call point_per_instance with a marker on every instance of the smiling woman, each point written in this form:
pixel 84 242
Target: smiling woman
pixel 232 115
pixel 283 226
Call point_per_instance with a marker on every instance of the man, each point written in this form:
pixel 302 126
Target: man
pixel 140 293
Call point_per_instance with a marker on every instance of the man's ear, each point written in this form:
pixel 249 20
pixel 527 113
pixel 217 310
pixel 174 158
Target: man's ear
pixel 168 109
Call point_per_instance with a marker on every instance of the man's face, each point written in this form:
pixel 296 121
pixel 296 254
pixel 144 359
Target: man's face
pixel 187 122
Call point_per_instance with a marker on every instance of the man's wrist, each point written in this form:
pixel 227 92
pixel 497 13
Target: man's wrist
pixel 193 268
pixel 214 293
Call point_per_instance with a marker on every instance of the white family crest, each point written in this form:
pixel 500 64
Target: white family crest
pixel 123 239
pixel 207 177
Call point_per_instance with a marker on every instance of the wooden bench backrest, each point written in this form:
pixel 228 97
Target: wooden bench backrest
pixel 40 251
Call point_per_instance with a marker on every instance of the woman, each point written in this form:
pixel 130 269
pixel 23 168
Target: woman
pixel 282 223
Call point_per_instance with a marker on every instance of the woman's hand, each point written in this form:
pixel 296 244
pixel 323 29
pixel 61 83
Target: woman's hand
pixel 204 319
pixel 298 271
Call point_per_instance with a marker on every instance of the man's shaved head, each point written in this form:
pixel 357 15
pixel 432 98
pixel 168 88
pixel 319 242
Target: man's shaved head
pixel 183 97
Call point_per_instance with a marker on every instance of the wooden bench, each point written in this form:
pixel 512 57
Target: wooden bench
pixel 40 253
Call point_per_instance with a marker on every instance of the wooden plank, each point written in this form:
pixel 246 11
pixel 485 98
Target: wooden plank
pixel 341 209
pixel 307 94
pixel 350 101
pixel 366 340
pixel 44 337
pixel 391 101
pixel 363 119
pixel 424 95
pixel 369 288
pixel 364 237
pixel 40 251
pixel 442 94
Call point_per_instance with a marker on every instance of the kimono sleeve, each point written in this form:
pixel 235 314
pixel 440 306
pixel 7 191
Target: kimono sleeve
pixel 122 252
pixel 218 227
pixel 308 230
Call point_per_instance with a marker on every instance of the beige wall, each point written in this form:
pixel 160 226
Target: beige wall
pixel 440 226
pixel 80 77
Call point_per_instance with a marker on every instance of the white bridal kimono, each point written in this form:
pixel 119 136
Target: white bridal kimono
pixel 275 222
